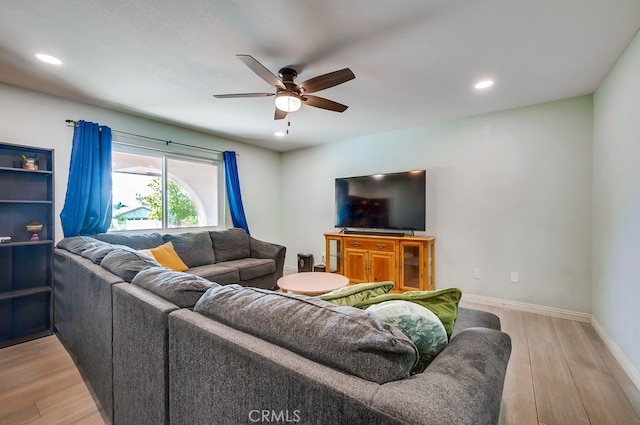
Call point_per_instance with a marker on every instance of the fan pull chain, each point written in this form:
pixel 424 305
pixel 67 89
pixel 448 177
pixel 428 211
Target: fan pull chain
pixel 288 125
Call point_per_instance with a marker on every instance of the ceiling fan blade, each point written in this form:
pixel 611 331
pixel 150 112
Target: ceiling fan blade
pixel 325 81
pixel 262 72
pixel 279 115
pixel 235 95
pixel 321 102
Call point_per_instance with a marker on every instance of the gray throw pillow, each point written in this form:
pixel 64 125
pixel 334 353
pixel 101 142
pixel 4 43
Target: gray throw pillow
pixel 195 249
pixel 182 289
pixel 126 263
pixel 230 244
pixel 344 338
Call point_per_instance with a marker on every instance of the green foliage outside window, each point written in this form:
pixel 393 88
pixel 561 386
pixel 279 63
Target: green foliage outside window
pixel 182 211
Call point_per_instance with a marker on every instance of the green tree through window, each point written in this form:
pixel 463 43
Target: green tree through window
pixel 182 211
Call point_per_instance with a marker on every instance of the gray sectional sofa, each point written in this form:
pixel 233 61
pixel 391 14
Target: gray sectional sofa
pixel 175 348
pixel 87 269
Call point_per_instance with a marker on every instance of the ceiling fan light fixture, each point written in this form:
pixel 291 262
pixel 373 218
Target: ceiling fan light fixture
pixel 288 102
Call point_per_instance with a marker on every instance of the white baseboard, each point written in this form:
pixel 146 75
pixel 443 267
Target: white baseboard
pixel 529 308
pixel 617 352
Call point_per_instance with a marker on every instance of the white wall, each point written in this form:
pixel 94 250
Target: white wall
pixel 616 203
pixel 507 191
pixel 31 118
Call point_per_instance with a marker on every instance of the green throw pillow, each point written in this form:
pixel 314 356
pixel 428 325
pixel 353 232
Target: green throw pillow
pixel 443 303
pixel 418 323
pixel 354 294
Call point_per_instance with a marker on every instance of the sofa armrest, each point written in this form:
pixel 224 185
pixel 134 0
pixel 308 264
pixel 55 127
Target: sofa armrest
pixel 471 318
pixel 262 249
pixel 463 384
pixel 140 356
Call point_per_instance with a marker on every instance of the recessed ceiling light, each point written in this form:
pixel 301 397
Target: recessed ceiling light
pixel 279 133
pixel 484 84
pixel 48 59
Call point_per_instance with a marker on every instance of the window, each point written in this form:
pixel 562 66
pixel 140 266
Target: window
pixel 154 189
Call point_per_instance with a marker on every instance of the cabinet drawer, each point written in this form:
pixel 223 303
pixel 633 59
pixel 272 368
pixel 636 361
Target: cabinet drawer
pixel 371 244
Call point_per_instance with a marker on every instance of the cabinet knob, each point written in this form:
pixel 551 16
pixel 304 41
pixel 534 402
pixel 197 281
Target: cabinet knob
pixel 356 243
pixel 380 245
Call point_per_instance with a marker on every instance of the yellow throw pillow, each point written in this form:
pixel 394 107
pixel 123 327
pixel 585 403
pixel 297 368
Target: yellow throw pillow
pixel 166 255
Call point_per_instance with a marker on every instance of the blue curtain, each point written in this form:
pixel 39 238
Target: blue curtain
pixel 87 205
pixel 233 191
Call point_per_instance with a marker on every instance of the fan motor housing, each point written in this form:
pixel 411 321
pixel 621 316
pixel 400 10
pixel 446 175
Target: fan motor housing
pixel 287 75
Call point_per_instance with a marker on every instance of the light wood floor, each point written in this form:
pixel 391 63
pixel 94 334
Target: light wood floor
pixel 40 385
pixel 559 373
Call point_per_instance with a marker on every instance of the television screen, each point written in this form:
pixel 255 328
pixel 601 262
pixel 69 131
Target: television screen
pixel 382 201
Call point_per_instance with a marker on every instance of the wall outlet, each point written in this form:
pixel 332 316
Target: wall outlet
pixel 514 277
pixel 476 273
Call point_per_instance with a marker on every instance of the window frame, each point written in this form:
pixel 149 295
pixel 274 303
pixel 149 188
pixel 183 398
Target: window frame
pixel 149 147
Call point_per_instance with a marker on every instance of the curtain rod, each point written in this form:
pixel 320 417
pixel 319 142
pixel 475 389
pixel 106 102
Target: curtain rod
pixel 74 123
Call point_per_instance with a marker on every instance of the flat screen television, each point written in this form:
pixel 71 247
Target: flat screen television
pixel 382 201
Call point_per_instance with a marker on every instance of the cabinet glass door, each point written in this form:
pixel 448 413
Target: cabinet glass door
pixel 334 257
pixel 410 267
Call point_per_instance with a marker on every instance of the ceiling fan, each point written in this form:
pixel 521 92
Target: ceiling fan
pixel 290 96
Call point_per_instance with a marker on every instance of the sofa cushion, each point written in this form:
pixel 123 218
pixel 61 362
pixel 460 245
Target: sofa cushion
pixel 354 294
pixel 99 251
pixel 217 273
pixel 182 289
pixel 195 249
pixel 136 241
pixel 166 255
pixel 126 263
pixel 418 323
pixel 444 303
pixel 230 244
pixel 78 244
pixel 250 268
pixel 345 338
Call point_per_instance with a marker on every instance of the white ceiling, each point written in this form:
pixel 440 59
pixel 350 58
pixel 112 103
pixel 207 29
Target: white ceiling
pixel 415 61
